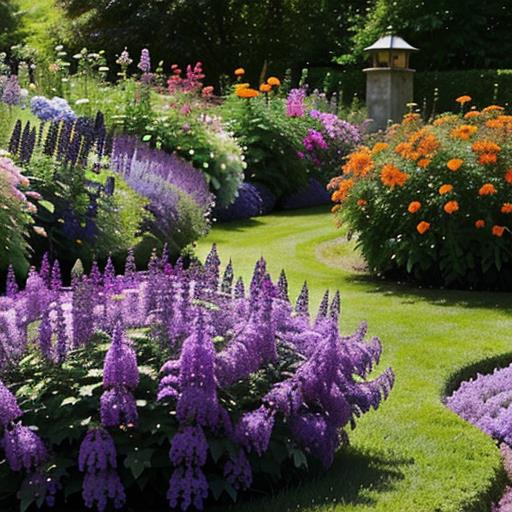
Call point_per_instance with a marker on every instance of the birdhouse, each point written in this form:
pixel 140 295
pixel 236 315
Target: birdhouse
pixel 389 80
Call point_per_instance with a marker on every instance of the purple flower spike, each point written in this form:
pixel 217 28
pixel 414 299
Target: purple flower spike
pixel 145 61
pixel 23 448
pixel 9 409
pixel 120 367
pixel 118 407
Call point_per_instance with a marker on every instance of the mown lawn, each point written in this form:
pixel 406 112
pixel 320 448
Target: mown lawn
pixel 413 454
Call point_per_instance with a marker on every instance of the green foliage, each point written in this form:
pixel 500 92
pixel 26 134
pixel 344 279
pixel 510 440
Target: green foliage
pixel 65 211
pixel 9 25
pixel 271 140
pixel 197 135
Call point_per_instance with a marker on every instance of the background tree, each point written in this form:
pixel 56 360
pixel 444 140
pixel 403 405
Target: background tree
pixel 450 34
pixel 9 25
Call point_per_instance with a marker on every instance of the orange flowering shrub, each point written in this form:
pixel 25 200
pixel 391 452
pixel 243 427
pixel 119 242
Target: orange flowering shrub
pixel 437 199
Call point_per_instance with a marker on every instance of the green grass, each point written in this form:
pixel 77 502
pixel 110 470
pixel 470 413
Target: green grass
pixel 413 454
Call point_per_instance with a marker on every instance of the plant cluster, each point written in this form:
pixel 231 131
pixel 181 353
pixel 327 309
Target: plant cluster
pixel 120 369
pixel 433 200
pixel 178 194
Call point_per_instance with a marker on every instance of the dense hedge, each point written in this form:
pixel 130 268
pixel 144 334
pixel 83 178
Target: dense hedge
pixel 479 83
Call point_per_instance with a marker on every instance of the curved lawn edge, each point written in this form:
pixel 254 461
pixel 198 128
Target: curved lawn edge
pixel 413 454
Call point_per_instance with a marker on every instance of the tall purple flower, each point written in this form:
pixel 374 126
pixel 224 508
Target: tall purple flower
pixel 97 459
pixel 254 429
pixel 9 409
pixel 120 376
pixel 120 367
pixel 12 92
pixel 238 472
pixel 11 286
pixel 23 448
pixel 145 61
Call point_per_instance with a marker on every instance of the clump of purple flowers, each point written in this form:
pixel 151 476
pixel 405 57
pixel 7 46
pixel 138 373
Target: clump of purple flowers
pixel 486 402
pixel 170 183
pixel 221 338
pixel 55 109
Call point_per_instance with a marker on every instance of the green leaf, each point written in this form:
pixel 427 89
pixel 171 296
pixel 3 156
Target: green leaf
pixel 46 204
pixel 88 390
pixel 146 138
pixel 138 460
pixel 70 400
pixel 231 491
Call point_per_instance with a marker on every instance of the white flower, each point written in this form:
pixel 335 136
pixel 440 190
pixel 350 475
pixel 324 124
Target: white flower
pixel 82 101
pixel 206 165
pixel 191 152
pixel 103 69
pixel 59 47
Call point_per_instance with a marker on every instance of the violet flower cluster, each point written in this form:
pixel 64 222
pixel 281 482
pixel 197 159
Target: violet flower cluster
pixel 11 94
pixel 222 333
pixel 55 109
pixel 486 402
pixel 295 106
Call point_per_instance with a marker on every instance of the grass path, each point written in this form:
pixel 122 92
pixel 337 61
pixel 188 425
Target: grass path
pixel 413 454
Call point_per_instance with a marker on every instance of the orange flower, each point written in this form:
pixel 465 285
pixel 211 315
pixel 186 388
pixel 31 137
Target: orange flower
pixel 392 176
pixel 378 147
pixel 485 146
pixel 414 206
pixel 420 144
pixel 247 92
pixel 343 190
pixel 445 189
pixel 451 207
pixel 410 117
pixel 335 208
pixel 493 108
pixel 423 227
pixel 506 208
pixel 274 81
pixel 471 114
pixel 239 72
pixel 241 86
pixel 480 224
pixel 508 176
pixel 463 132
pixel 463 99
pixel 362 202
pixel 498 230
pixel 488 158
pixel 359 163
pixel 265 88
pixel 424 162
pixel 487 190
pixel 444 119
pixel 454 164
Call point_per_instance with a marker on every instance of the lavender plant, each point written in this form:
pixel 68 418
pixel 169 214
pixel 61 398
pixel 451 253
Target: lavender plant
pixel 178 380
pixel 178 193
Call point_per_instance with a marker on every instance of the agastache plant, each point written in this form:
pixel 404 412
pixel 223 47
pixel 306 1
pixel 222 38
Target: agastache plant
pixel 241 365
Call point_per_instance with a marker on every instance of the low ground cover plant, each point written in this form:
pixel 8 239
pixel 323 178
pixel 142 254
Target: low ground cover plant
pixel 432 201
pixel 178 381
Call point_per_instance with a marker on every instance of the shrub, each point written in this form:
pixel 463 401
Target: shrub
pixel 15 218
pixel 433 200
pixel 314 194
pixel 247 382
pixel 248 203
pixel 177 192
pixel 287 141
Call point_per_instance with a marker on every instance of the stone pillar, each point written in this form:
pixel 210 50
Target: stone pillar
pixel 388 90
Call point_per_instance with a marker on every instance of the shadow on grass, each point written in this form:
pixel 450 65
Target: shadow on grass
pixel 348 481
pixel 412 294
